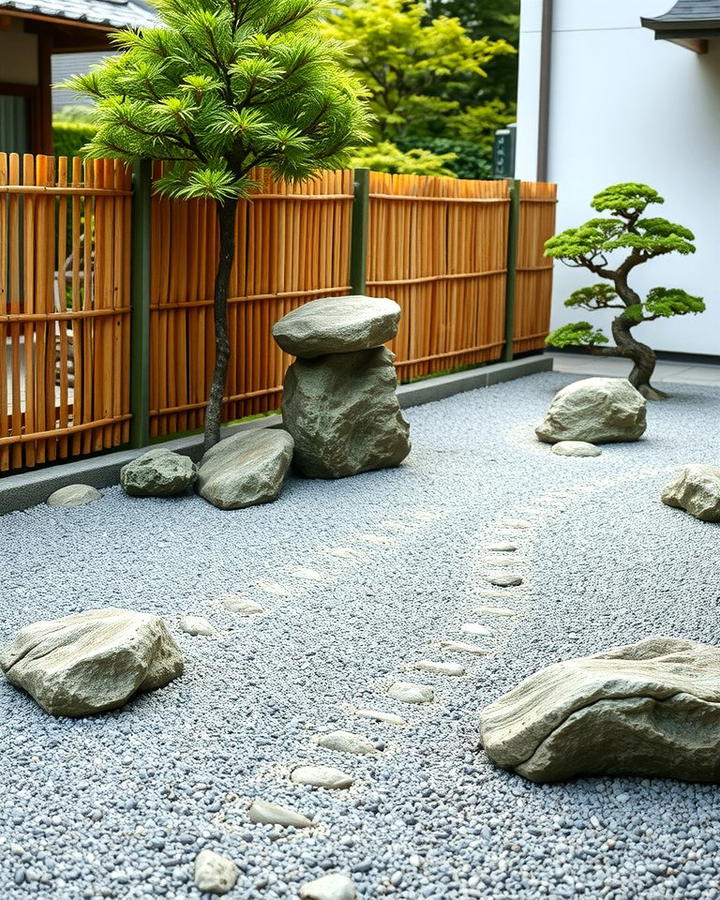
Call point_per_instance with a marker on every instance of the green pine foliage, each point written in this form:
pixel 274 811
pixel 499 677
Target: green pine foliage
pixel 223 86
pixel 388 157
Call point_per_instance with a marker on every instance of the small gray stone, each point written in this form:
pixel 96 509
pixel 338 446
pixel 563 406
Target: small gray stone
pixel 245 469
pixel 91 661
pixel 73 495
pixel 516 523
pixel 197 626
pixel 344 415
pixel 408 692
pixel 441 668
pixel 337 325
pixel 214 873
pixel 270 814
pixel 697 491
pixel 329 887
pixel 389 718
pixel 345 742
pixel 502 548
pixel 496 611
pixel 321 776
pixel 462 647
pixel 158 473
pixel 575 448
pixel 595 410
pixel 242 606
pixel 501 580
pixel 475 628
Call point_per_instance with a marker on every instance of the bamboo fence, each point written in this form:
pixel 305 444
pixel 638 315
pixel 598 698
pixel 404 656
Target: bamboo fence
pixel 533 285
pixel 438 246
pixel 64 308
pixel 293 244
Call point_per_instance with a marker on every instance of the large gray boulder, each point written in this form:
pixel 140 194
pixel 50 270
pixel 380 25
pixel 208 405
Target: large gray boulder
pixel 344 415
pixel 91 661
pixel 595 410
pixel 337 325
pixel 647 709
pixel 697 491
pixel 158 473
pixel 245 469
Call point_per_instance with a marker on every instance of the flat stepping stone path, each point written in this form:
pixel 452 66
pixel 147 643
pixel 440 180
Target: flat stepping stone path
pixel 576 448
pixel 500 561
pixel 475 628
pixel 378 716
pixel 308 574
pixel 263 813
pixel 441 668
pixel 329 887
pixel 345 742
pixel 496 611
pixel 502 547
pixel 516 523
pixel 348 553
pixel 462 647
pixel 73 495
pixel 197 626
pixel 215 874
pixel 408 692
pixel 321 776
pixel 505 580
pixel 272 587
pixel 242 606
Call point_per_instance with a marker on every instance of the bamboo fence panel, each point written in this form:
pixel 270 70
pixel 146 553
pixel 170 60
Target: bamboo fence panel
pixel 292 245
pixel 64 308
pixel 533 286
pixel 438 246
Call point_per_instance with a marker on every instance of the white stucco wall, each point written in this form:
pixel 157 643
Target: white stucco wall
pixel 625 107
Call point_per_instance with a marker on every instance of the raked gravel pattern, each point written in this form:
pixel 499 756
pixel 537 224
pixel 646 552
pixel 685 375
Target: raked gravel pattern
pixel 359 580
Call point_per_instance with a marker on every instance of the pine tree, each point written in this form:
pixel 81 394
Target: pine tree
pixel 590 245
pixel 218 88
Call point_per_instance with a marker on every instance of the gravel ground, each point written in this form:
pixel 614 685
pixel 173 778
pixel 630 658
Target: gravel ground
pixel 120 804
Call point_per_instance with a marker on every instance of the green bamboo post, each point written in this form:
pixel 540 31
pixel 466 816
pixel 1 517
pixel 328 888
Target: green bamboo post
pixel 510 283
pixel 359 230
pixel 140 321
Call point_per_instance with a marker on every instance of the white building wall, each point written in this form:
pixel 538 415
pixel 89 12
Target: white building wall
pixel 625 107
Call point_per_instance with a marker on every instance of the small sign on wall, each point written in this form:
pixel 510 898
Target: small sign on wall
pixel 504 152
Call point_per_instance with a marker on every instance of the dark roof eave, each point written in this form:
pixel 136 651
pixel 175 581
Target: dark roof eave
pixel 689 27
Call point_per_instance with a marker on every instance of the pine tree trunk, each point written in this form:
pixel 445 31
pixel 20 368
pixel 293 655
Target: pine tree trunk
pixel 227 212
pixel 643 358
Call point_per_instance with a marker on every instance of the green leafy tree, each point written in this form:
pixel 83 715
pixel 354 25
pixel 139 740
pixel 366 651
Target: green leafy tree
pixel 388 157
pixel 420 73
pixel 633 240
pixel 221 87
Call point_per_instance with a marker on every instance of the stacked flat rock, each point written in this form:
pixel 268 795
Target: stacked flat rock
pixel 339 401
pixel 596 411
pixel 646 709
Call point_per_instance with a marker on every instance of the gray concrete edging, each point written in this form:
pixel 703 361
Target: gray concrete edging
pixel 21 491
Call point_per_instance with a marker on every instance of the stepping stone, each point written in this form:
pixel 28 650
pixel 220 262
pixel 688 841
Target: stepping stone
pixel 347 553
pixel 475 628
pixel 576 448
pixel 441 668
pixel 379 716
pixel 197 626
pixel 345 742
pixel 214 874
pixel 241 605
pixel 321 776
pixel 505 580
pixel 337 325
pixel 496 611
pixel 73 495
pixel 425 515
pixel 377 539
pixel 309 574
pixel 329 887
pixel 493 595
pixel 407 692
pixel 270 814
pixel 516 523
pixel 500 561
pixel 461 647
pixel 272 587
pixel 502 547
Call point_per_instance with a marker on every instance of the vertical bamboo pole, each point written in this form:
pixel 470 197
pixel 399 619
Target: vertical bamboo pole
pixel 359 231
pixel 511 278
pixel 140 320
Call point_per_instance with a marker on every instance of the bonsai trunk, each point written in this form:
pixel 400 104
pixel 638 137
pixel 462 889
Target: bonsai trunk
pixel 227 211
pixel 642 356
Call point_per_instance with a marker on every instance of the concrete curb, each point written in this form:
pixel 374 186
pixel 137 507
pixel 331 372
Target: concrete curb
pixel 27 489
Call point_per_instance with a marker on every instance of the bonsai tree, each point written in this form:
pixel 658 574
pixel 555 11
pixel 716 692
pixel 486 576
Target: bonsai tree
pixel 218 88
pixel 640 239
